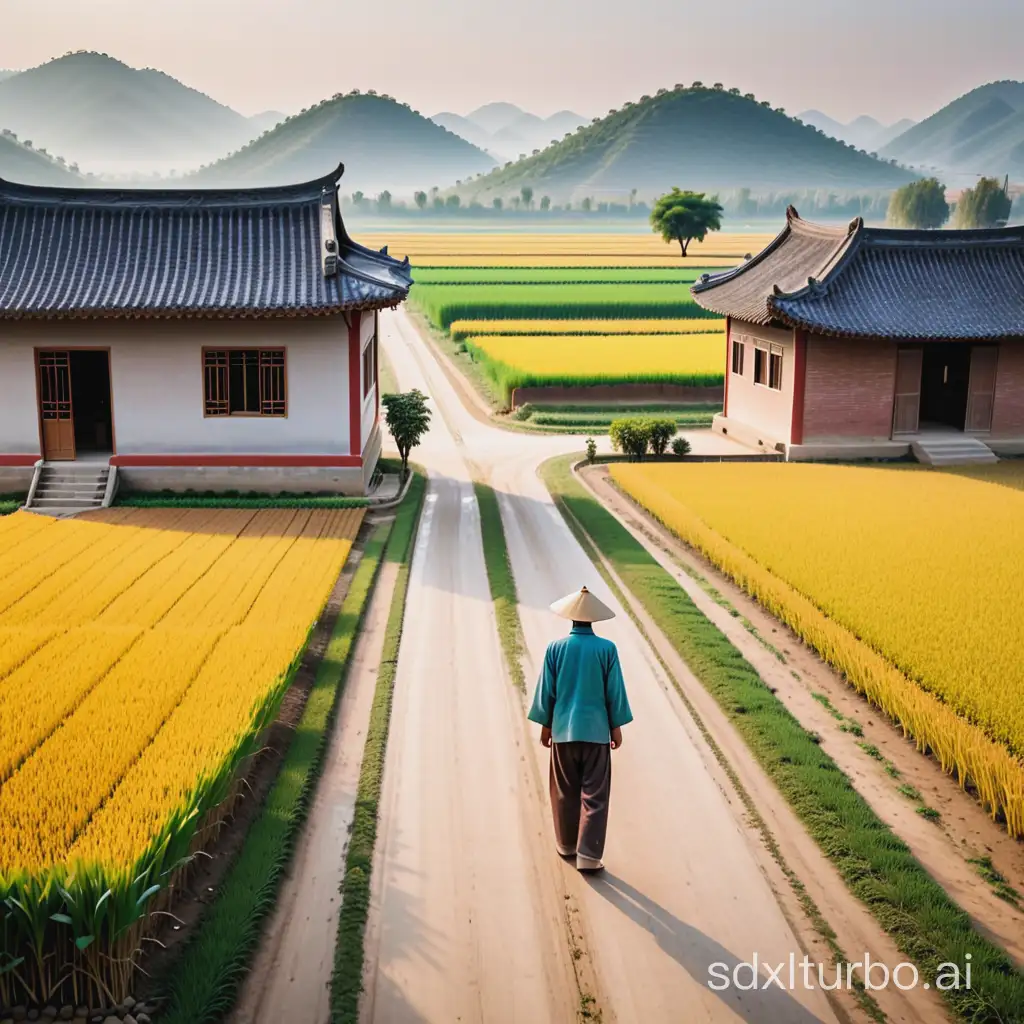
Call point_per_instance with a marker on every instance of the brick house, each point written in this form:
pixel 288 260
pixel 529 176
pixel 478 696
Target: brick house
pixel 191 338
pixel 869 342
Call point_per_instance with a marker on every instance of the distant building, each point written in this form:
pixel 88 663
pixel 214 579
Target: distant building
pixel 866 342
pixel 203 339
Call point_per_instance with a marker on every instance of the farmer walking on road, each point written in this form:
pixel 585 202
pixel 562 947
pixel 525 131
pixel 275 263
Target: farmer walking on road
pixel 581 707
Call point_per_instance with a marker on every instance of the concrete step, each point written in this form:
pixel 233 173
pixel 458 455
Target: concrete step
pixel 78 503
pixel 952 451
pixel 90 494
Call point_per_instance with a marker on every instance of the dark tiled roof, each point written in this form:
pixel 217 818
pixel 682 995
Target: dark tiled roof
pixel 879 283
pixel 70 252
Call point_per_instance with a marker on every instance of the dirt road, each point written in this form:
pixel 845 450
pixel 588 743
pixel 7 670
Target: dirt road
pixel 469 894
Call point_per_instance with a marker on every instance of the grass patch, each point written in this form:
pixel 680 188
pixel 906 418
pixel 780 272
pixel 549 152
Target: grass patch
pixel 205 981
pixel 233 499
pixel 444 304
pixel 599 418
pixel 877 865
pixel 502 583
pixel 386 374
pixel 10 503
pixel 346 978
pixel 995 878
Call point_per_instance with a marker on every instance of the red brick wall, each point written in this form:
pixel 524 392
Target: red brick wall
pixel 1008 410
pixel 764 409
pixel 849 389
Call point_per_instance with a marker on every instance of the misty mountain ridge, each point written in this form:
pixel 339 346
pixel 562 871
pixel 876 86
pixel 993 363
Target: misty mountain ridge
pixel 266 120
pixel 864 132
pixel 981 132
pixel 505 131
pixel 102 112
pixel 22 163
pixel 384 144
pixel 698 138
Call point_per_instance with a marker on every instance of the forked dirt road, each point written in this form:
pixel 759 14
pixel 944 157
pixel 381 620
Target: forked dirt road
pixel 470 898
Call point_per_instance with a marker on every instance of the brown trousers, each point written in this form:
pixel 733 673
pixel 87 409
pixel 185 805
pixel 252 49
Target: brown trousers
pixel 581 786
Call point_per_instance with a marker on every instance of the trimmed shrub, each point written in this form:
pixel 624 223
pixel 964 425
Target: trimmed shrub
pixel 681 447
pixel 660 432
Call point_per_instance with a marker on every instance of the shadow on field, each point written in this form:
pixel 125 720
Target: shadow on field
pixel 695 952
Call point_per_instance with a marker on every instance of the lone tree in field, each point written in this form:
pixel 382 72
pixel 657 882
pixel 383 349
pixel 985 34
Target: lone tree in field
pixel 987 205
pixel 921 204
pixel 408 418
pixel 527 193
pixel 684 216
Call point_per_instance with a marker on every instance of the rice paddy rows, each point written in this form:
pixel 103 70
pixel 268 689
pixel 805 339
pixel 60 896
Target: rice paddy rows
pixel 447 303
pixel 925 621
pixel 519 361
pixel 462 329
pixel 141 653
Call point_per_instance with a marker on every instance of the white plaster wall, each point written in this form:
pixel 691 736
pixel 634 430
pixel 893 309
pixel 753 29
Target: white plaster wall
pixel 157 384
pixel 19 410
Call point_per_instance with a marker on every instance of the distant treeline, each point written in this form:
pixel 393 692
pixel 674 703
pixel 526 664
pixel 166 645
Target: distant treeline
pixel 741 203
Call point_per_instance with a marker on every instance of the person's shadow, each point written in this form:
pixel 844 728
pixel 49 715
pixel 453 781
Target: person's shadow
pixel 695 952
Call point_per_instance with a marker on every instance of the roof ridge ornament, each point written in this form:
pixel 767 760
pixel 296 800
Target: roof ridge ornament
pixel 855 225
pixel 328 236
pixel 791 213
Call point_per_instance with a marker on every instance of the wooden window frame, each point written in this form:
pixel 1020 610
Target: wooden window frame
pixel 739 353
pixel 222 387
pixel 368 366
pixel 768 357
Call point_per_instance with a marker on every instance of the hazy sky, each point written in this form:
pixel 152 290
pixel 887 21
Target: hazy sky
pixel 887 58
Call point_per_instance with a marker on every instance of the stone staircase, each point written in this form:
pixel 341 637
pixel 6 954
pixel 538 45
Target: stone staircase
pixel 951 450
pixel 65 488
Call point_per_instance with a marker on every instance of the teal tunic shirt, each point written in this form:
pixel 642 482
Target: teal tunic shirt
pixel 580 695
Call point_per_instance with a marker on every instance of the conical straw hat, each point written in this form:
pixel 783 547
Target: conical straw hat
pixel 582 606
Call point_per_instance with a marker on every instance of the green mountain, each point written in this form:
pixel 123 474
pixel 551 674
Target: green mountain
pixel 7 73
pixel 22 163
pixel 102 112
pixel 982 132
pixel 384 144
pixel 697 138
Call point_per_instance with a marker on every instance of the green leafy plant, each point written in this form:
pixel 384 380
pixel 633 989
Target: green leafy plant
pixel 591 450
pixel 920 204
pixel 660 432
pixel 408 419
pixel 681 447
pixel 631 436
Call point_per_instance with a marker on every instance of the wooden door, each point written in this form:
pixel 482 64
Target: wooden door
pixel 907 402
pixel 55 406
pixel 982 389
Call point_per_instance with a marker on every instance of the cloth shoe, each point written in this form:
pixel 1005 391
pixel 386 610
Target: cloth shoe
pixel 587 864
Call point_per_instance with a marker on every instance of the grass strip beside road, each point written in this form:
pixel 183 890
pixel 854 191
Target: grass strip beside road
pixel 346 979
pixel 877 866
pixel 205 981
pixel 502 583
pixel 10 503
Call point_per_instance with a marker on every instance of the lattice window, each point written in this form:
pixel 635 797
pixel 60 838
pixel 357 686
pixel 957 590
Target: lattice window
pixel 369 366
pixel 55 385
pixel 245 382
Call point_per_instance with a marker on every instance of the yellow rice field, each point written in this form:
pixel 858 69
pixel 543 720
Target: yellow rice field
pixel 139 650
pixel 606 355
pixel 564 250
pixel 908 581
pixel 699 325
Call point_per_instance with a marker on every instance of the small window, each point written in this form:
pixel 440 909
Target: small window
pixel 738 349
pixel 244 382
pixel 760 366
pixel 369 366
pixel 775 368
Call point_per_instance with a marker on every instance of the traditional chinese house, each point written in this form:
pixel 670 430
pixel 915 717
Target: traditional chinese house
pixel 870 342
pixel 194 339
